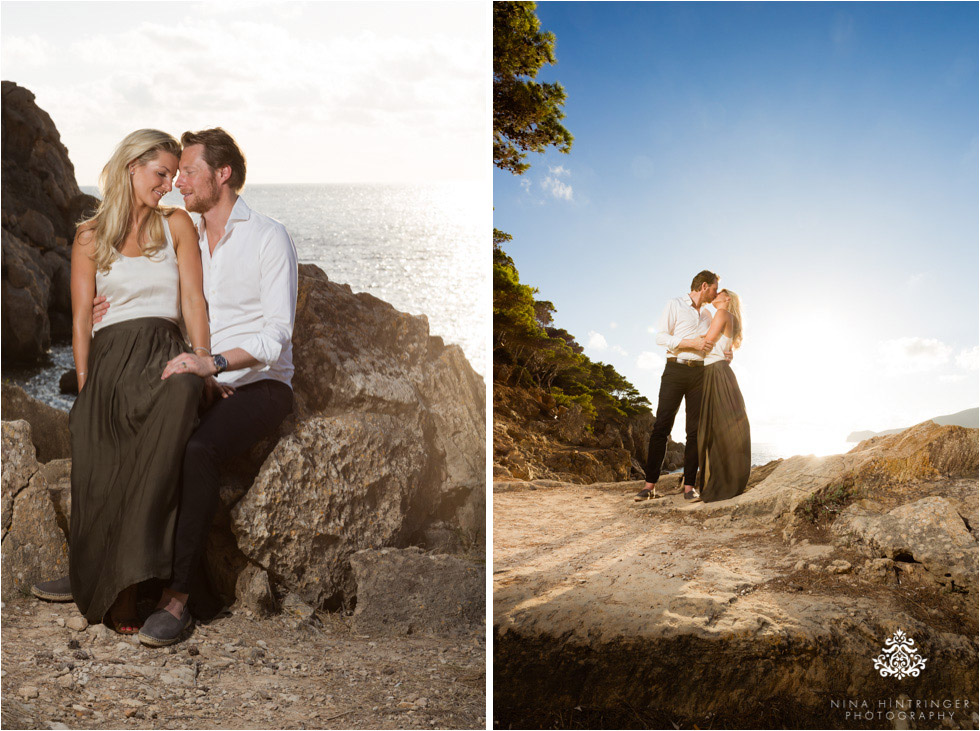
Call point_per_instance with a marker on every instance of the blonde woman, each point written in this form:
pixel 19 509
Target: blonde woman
pixel 128 426
pixel 724 444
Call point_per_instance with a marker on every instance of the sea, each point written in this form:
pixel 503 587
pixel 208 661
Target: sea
pixel 424 248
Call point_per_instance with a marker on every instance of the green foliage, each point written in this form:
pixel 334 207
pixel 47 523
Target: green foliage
pixel 826 504
pixel 500 237
pixel 526 114
pixel 550 358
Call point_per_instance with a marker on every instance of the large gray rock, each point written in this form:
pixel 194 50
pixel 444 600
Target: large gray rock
pixel 33 546
pixel 41 205
pixel 928 531
pixel 896 463
pixel 356 353
pixel 385 448
pixel 409 592
pixel 57 475
pixel 49 426
pixel 336 486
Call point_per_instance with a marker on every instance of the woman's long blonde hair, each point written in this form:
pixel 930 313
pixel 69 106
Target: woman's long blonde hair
pixel 735 309
pixel 113 218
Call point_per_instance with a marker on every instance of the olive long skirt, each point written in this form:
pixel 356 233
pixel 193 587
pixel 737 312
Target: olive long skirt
pixel 724 443
pixel 128 433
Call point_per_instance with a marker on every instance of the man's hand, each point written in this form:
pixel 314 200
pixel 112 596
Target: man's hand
pixel 99 308
pixel 701 345
pixel 189 363
pixel 214 390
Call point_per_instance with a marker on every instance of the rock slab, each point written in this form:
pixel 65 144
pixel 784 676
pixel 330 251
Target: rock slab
pixel 402 592
pixel 49 426
pixel 33 546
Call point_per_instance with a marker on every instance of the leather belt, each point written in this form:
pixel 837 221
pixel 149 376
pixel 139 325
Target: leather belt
pixel 690 363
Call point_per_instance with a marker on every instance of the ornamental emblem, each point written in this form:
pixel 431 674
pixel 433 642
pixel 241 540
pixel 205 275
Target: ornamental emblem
pixel 899 658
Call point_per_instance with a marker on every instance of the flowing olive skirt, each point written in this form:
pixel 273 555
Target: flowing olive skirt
pixel 128 432
pixel 724 445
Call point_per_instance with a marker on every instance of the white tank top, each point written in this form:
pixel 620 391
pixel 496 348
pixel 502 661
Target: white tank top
pixel 717 353
pixel 138 286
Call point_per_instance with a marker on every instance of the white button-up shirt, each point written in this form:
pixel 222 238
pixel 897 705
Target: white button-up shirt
pixel 680 321
pixel 250 283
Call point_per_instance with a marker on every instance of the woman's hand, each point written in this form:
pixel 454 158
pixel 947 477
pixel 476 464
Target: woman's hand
pixel 189 363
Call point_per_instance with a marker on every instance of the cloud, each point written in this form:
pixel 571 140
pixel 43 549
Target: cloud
pixel 613 325
pixel 620 349
pixel 913 355
pixel 916 279
pixel 648 361
pixel 652 329
pixel 597 341
pixel 356 101
pixel 555 187
pixel 969 360
pixel 30 51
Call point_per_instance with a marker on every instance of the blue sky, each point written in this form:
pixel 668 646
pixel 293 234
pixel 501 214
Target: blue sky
pixel 315 92
pixel 821 157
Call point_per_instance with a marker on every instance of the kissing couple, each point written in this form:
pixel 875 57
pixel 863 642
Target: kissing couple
pixel 717 454
pixel 159 407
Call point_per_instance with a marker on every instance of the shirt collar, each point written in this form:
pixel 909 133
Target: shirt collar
pixel 239 212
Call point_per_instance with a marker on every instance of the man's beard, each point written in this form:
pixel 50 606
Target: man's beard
pixel 203 203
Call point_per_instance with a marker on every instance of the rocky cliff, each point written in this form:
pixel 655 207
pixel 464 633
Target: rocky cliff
pixel 535 438
pixel 764 611
pixel 41 204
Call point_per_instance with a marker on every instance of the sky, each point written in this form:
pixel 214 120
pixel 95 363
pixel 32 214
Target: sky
pixel 315 92
pixel 821 157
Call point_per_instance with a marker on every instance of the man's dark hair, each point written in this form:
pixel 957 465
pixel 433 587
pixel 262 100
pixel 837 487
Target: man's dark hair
pixel 220 149
pixel 704 277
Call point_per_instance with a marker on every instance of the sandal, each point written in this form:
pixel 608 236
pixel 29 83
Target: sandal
pixel 123 626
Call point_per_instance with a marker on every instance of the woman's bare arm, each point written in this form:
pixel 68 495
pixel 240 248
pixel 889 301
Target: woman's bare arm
pixel 719 324
pixel 193 306
pixel 82 291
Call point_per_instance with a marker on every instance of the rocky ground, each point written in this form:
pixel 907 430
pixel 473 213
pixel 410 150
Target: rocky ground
pixel 757 612
pixel 239 671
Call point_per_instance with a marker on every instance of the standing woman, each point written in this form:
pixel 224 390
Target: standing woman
pixel 724 443
pixel 129 427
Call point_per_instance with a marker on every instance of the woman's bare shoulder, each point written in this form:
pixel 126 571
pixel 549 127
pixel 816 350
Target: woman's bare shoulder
pixel 182 225
pixel 85 233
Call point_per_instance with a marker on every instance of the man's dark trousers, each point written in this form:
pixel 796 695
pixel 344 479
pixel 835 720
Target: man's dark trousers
pixel 678 382
pixel 226 430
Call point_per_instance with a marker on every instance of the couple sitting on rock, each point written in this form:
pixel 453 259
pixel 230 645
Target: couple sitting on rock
pixel 145 466
pixel 699 348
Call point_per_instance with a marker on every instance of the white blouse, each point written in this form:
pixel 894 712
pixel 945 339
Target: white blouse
pixel 140 286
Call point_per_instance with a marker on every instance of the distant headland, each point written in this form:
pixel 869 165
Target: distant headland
pixel 970 418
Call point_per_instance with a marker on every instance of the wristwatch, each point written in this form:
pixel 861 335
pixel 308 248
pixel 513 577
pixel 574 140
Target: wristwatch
pixel 220 363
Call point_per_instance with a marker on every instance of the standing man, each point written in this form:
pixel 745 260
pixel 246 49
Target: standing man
pixel 681 329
